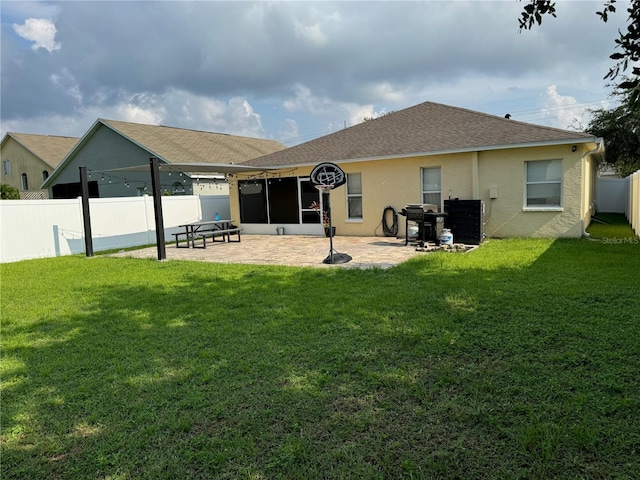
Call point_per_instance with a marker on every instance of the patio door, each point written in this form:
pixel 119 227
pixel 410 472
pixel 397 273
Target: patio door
pixel 283 200
pixel 308 195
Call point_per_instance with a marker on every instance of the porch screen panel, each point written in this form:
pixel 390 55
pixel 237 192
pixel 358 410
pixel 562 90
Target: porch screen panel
pixel 309 194
pixel 253 201
pixel 283 200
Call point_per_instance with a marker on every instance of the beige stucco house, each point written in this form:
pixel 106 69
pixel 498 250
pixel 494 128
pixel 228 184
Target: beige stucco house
pixel 28 160
pixel 535 181
pixel 111 148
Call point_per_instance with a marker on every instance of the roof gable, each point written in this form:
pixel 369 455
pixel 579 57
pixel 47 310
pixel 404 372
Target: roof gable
pixel 426 128
pixel 48 148
pixel 177 145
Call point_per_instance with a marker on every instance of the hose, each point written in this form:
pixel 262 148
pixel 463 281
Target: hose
pixel 390 231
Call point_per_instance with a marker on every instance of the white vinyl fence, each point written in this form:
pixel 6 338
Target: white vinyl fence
pixel 51 228
pixel 611 195
pixel 632 209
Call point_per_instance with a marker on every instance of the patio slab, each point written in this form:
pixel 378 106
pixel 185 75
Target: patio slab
pixel 293 250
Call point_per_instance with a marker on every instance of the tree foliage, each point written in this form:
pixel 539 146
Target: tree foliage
pixel 627 54
pixel 383 114
pixel 620 127
pixel 7 192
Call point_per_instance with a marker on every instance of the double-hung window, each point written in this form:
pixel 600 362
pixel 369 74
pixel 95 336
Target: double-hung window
pixel 543 184
pixel 6 167
pixel 354 196
pixel 432 186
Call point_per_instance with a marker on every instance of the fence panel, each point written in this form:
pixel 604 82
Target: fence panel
pixel 632 209
pixel 611 195
pixel 40 228
pixel 51 228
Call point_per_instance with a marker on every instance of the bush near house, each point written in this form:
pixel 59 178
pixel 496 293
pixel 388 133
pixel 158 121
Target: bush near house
pixel 7 192
pixel 517 360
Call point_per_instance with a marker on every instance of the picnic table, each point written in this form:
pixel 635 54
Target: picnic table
pixel 207 228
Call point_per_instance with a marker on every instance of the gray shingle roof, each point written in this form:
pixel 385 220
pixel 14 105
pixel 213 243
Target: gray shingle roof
pixel 424 128
pixel 177 145
pixel 50 149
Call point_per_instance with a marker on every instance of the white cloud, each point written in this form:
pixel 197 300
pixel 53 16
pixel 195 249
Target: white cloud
pixel 40 31
pixel 128 112
pixel 176 108
pixel 67 82
pixel 564 111
pixel 289 131
pixel 312 33
pixel 305 101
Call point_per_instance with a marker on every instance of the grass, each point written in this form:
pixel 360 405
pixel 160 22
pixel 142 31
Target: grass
pixel 611 227
pixel 517 360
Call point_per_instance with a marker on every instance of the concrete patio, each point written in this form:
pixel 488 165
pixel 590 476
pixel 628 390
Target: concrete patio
pixel 294 250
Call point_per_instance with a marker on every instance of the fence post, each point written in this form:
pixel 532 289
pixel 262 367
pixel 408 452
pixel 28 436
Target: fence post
pixel 86 215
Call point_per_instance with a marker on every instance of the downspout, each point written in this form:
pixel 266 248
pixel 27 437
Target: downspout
pixel 598 149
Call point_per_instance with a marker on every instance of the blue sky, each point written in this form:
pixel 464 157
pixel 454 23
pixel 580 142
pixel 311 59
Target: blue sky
pixel 293 71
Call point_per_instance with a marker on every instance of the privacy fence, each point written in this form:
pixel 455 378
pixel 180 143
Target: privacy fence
pixel 51 228
pixel 621 195
pixel 632 209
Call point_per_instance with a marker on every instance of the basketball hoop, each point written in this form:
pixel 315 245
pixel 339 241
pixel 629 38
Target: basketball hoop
pixel 327 173
pixel 324 188
pixel 327 176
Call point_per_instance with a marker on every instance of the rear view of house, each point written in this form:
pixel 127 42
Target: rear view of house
pixel 530 180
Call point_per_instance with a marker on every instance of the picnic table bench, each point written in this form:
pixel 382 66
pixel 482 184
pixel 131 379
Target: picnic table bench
pixel 204 229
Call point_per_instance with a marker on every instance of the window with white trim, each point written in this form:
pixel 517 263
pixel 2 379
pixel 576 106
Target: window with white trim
pixel 6 167
pixel 432 186
pixel 354 196
pixel 45 175
pixel 25 182
pixel 543 183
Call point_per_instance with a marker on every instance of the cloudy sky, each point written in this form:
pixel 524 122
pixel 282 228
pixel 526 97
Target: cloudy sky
pixel 293 71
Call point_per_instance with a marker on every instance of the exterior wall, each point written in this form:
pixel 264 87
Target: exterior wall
pixel 394 182
pixel 589 196
pixel 397 182
pixel 22 161
pixel 506 215
pixel 210 186
pixel 106 150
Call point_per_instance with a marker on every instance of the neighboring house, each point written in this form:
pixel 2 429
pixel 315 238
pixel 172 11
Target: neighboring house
pixel 110 151
pixel 28 160
pixel 534 181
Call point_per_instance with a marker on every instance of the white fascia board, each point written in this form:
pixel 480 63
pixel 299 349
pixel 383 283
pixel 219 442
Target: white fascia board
pixel 451 151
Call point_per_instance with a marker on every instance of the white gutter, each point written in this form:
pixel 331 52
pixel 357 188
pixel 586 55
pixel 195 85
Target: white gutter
pixel 598 149
pixel 484 148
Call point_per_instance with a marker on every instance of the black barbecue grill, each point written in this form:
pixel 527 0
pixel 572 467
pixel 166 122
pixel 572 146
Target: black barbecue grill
pixel 426 216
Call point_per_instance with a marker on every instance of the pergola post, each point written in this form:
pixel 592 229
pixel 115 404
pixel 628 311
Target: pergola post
pixel 157 208
pixel 86 215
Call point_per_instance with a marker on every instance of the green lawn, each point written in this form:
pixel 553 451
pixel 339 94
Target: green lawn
pixel 610 227
pixel 520 359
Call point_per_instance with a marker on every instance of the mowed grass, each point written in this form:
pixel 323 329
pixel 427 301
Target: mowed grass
pixel 520 359
pixel 611 227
